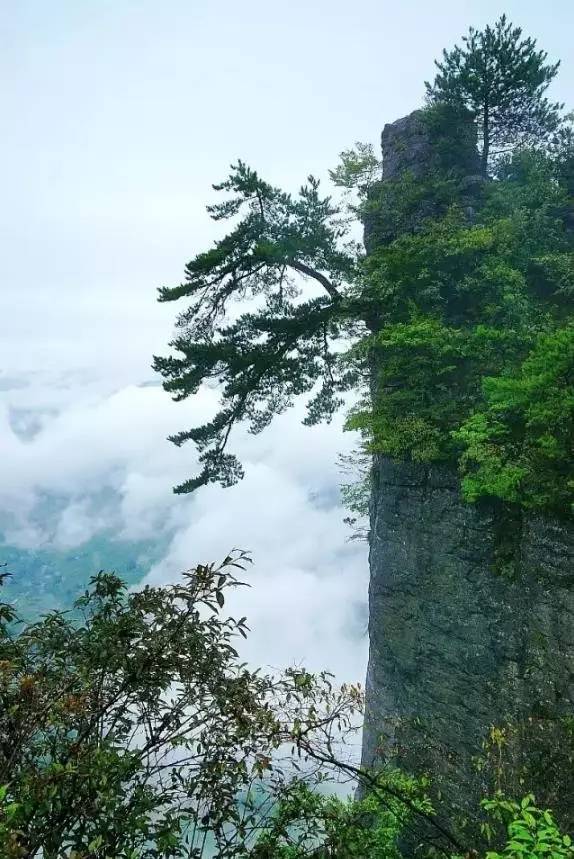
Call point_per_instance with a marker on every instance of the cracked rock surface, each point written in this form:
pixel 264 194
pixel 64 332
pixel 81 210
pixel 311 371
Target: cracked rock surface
pixel 454 642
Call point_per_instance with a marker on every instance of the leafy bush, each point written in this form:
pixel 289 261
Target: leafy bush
pixel 532 833
pixel 307 822
pixel 519 446
pixel 130 727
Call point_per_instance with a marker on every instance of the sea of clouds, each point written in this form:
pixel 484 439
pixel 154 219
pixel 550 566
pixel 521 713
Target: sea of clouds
pixel 101 451
pixel 119 124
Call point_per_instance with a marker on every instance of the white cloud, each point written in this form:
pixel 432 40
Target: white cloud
pixel 78 523
pixel 104 456
pixel 308 591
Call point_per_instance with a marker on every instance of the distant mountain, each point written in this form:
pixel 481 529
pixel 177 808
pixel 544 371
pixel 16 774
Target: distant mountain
pixel 49 578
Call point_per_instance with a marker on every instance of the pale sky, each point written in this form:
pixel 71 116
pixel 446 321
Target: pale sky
pixel 117 117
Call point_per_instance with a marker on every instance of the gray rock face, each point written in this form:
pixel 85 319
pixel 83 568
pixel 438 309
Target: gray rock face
pixel 457 646
pixel 452 642
pixel 444 138
pixel 405 144
pixel 415 148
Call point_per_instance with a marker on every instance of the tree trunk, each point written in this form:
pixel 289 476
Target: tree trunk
pixel 485 139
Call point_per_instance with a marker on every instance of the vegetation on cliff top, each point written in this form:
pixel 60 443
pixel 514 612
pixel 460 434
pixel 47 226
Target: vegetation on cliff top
pixel 452 322
pixel 474 347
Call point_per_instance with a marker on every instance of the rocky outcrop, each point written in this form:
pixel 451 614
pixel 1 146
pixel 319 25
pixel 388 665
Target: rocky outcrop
pixel 460 640
pixel 455 645
pixel 416 149
pixel 406 146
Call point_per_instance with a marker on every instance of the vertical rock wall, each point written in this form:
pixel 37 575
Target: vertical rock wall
pixel 454 646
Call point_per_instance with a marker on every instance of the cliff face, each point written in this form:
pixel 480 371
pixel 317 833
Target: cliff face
pixel 455 646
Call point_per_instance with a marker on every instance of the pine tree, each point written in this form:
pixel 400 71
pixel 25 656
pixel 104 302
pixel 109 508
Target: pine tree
pixel 501 78
pixel 282 345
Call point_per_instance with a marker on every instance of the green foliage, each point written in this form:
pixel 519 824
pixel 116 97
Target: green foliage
pixel 445 327
pixel 472 350
pixel 533 753
pixel 406 205
pixel 308 822
pixel 131 729
pixel 429 374
pixel 358 169
pixel 501 79
pixel 532 833
pixel 452 133
pixel 135 732
pixel 283 346
pixel 479 269
pixel 356 490
pixel 519 446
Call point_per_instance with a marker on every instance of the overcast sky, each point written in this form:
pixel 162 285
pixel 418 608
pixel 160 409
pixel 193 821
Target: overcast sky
pixel 117 118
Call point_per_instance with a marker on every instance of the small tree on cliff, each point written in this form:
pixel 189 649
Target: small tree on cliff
pixel 280 347
pixel 501 78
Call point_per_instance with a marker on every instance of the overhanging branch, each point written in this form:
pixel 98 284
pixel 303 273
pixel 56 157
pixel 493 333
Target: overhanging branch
pixel 318 276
